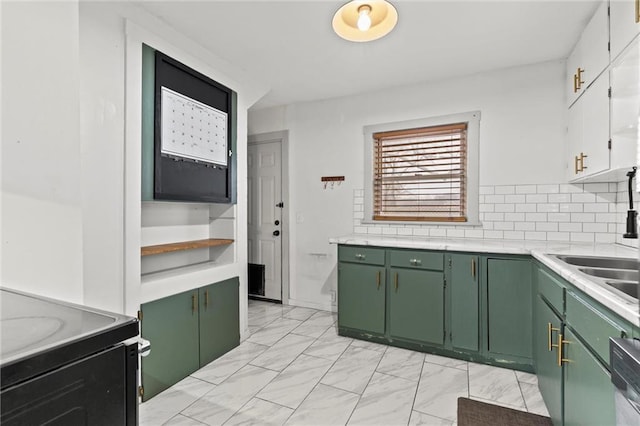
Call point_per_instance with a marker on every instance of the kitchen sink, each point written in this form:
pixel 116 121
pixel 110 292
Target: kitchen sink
pixel 627 287
pixel 600 262
pixel 618 274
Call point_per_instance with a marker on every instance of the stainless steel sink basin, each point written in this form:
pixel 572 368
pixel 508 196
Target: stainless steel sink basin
pixel 617 274
pixel 627 287
pixel 621 275
pixel 601 262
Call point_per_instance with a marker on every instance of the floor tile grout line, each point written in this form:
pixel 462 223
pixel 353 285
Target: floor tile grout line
pixel 415 394
pixel 375 370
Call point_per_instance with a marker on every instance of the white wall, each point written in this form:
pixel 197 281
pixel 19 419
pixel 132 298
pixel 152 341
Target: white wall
pixel 41 150
pixel 522 134
pixel 71 146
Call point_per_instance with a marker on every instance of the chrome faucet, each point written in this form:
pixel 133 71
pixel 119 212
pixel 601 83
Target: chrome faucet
pixel 632 215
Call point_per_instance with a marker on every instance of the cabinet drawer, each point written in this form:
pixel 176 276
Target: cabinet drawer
pixel 360 254
pixel 419 259
pixel 551 290
pixel 593 326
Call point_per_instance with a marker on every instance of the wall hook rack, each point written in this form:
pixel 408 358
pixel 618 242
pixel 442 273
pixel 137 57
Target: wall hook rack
pixel 331 179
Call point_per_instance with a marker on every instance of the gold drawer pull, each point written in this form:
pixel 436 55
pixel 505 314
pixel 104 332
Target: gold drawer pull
pixel 562 342
pixel 473 268
pixel 551 329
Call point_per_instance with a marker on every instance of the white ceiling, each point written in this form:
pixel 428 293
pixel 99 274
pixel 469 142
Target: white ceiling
pixel 290 46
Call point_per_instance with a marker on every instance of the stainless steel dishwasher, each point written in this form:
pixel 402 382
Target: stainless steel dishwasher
pixel 625 375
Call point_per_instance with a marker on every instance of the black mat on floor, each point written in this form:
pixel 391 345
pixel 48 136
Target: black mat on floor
pixel 476 413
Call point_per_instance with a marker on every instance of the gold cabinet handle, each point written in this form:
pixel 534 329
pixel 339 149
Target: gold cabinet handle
pixel 194 304
pixel 396 282
pixel 576 162
pixel 378 279
pixel 575 83
pixel 580 80
pixel 582 157
pixel 551 329
pixel 562 342
pixel 206 299
pixel 473 268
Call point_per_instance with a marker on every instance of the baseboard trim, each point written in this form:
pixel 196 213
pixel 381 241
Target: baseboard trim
pixel 321 306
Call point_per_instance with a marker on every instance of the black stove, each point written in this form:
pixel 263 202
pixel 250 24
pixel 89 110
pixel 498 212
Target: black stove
pixel 65 363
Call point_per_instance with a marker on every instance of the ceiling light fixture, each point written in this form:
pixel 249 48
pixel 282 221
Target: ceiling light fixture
pixel 365 20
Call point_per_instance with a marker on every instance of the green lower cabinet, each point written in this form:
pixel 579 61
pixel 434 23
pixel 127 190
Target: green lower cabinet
pixel 416 305
pixel 509 307
pixel 171 325
pixel 219 319
pixel 588 391
pixel 361 297
pixel 547 327
pixel 464 284
pixel 187 331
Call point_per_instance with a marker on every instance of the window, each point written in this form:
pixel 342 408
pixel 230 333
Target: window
pixel 424 170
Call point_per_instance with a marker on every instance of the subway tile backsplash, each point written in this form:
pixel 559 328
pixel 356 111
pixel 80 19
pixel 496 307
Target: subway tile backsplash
pixel 589 212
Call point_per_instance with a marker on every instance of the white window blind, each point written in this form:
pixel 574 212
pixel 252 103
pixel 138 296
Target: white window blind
pixel 420 174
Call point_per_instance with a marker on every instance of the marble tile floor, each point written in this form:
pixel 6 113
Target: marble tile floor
pixel 294 369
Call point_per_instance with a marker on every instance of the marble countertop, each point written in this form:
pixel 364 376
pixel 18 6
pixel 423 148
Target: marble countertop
pixel 543 251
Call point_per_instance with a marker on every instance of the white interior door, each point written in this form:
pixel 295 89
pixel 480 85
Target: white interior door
pixel 265 213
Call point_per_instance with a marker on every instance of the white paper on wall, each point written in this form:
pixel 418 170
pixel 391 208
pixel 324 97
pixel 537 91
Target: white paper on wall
pixel 191 129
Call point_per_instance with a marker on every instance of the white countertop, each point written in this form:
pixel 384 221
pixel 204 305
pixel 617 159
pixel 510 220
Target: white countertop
pixel 540 250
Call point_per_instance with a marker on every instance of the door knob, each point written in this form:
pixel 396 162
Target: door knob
pixel 277 222
pixel 276 233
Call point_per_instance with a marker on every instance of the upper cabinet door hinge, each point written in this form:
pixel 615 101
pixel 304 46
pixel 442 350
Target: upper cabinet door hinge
pixel 450 262
pixel 139 315
pixel 141 391
pixel 609 46
pixel 609 92
pixel 609 144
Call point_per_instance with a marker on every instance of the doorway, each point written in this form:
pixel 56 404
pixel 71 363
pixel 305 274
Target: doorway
pixel 267 217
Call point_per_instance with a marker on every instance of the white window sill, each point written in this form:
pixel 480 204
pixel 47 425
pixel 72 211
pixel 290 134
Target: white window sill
pixel 419 223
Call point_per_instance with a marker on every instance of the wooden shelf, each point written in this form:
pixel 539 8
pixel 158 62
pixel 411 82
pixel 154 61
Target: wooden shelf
pixel 184 245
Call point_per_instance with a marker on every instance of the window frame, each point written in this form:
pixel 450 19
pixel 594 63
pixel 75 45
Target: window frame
pixel 472 166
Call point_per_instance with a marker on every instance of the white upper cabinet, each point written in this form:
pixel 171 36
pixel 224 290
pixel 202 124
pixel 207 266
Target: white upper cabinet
pixel 589 132
pixel 625 106
pixel 590 56
pixel 625 25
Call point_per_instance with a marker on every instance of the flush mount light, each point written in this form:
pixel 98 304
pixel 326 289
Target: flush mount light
pixel 365 20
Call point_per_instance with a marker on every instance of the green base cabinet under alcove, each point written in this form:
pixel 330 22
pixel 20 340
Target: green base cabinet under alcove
pixel 187 331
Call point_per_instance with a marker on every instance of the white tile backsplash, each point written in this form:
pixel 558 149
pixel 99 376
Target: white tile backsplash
pixel 590 212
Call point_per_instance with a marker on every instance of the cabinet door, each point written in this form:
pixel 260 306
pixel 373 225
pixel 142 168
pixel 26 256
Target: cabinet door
pixel 219 320
pixel 463 284
pixel 588 391
pixel 509 307
pixel 589 131
pixel 547 328
pixel 624 24
pixel 416 305
pixel 625 104
pixel 590 56
pixel 361 297
pixel 595 126
pixel 171 325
